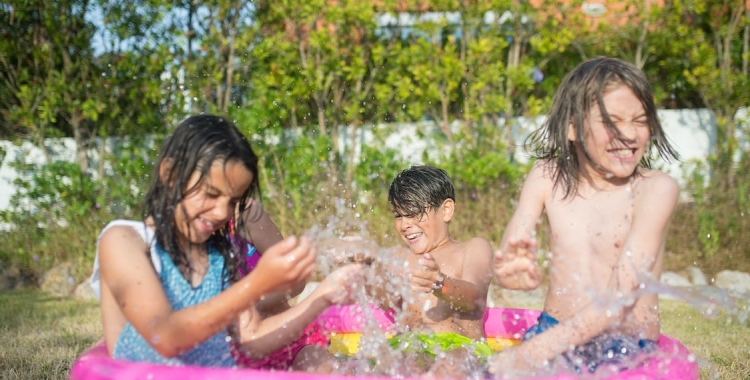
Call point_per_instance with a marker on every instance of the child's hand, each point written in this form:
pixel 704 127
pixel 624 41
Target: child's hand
pixel 342 285
pixel 515 268
pixel 348 249
pixel 285 264
pixel 424 277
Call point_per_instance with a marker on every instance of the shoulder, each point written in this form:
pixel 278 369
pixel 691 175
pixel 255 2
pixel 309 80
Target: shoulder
pixel 655 193
pixel 655 184
pixel 478 244
pixel 474 250
pixel 541 174
pixel 120 237
pixel 478 252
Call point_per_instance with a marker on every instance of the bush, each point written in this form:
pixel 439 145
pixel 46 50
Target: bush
pixel 58 210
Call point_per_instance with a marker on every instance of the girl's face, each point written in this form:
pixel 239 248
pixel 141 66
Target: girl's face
pixel 212 203
pixel 613 159
pixel 424 233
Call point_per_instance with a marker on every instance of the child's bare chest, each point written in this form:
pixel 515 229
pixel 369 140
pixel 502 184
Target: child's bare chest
pixel 591 231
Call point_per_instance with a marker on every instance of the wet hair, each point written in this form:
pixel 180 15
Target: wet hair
pixel 583 88
pixel 196 144
pixel 418 189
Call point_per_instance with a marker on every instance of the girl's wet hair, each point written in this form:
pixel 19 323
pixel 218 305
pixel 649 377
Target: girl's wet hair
pixel 196 144
pixel 418 189
pixel 583 88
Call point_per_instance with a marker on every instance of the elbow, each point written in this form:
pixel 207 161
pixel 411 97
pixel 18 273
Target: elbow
pixel 165 345
pixel 165 350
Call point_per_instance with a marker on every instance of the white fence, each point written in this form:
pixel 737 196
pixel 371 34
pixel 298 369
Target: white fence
pixel 691 131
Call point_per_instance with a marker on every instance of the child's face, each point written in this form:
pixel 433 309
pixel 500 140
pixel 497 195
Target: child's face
pixel 612 158
pixel 423 233
pixel 213 203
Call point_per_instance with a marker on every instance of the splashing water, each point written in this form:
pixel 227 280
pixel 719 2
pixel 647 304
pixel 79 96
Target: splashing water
pixel 344 239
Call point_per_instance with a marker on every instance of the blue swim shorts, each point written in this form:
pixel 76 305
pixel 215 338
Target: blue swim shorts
pixel 606 349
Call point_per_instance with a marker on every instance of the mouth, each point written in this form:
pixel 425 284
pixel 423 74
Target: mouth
pixel 624 153
pixel 414 236
pixel 208 226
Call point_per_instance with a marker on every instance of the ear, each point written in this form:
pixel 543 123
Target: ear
pixel 571 132
pixel 447 208
pixel 164 168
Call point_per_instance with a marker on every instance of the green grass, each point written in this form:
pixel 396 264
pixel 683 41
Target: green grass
pixel 721 343
pixel 42 335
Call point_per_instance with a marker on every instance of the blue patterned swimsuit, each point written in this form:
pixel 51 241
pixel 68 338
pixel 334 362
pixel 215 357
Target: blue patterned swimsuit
pixel 214 352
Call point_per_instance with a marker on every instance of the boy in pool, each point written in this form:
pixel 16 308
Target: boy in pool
pixel 447 280
pixel 608 214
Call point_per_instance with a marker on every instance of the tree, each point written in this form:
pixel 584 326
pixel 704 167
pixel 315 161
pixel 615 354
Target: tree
pixel 719 71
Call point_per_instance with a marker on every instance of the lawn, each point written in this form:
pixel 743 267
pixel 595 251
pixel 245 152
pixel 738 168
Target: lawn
pixel 42 335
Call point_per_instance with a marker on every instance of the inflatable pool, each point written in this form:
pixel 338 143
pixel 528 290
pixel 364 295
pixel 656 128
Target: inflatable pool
pixel 503 327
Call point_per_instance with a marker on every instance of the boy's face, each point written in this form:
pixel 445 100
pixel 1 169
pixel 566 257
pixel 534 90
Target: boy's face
pixel 614 159
pixel 423 233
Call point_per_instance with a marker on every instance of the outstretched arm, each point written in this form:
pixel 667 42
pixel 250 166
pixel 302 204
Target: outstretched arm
pixel 515 262
pixel 132 289
pixel 641 256
pixel 260 337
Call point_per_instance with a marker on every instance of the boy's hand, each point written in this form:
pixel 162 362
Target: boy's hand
pixel 342 285
pixel 515 268
pixel 424 277
pixel 285 264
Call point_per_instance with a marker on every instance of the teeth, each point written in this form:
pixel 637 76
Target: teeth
pixel 412 236
pixel 623 153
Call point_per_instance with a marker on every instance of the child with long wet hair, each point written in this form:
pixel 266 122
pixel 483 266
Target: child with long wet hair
pixel 608 215
pixel 169 284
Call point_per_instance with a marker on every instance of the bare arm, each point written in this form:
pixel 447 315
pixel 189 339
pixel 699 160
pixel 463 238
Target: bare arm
pixel 260 337
pixel 470 292
pixel 130 280
pixel 653 208
pixel 465 293
pixel 515 262
pixel 263 233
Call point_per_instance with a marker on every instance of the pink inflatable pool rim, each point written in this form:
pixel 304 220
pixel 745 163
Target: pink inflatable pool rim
pixel 673 362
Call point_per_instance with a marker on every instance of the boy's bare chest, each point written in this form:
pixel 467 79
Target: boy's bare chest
pixel 594 228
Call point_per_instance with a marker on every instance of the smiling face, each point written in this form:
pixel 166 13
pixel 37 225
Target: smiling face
pixel 426 232
pixel 612 159
pixel 211 203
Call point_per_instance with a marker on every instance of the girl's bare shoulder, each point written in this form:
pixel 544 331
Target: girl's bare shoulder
pixel 120 238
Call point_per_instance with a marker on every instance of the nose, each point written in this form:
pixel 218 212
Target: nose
pixel 628 130
pixel 223 210
pixel 406 222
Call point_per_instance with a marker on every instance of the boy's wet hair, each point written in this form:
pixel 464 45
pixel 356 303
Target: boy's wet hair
pixel 583 88
pixel 194 146
pixel 418 189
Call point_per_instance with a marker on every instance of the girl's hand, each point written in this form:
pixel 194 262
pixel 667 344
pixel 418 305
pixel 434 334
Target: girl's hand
pixel 424 277
pixel 342 285
pixel 515 267
pixel 285 264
